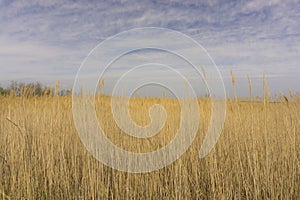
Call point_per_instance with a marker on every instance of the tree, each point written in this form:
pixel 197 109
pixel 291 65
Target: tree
pixel 2 91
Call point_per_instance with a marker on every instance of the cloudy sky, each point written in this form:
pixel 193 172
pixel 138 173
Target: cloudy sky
pixel 47 40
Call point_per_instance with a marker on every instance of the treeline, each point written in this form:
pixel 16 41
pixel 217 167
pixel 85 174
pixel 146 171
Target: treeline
pixel 33 89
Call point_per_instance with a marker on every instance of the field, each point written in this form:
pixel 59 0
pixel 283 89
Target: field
pixel 256 157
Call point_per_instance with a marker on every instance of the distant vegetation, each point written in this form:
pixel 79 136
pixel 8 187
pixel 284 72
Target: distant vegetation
pixel 37 89
pixel 33 89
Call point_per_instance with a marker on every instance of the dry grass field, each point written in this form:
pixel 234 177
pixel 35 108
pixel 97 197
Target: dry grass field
pixel 256 157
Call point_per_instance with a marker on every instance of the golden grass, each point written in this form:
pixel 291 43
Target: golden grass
pixel 42 157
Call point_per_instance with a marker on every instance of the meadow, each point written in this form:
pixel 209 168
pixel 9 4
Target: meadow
pixel 256 157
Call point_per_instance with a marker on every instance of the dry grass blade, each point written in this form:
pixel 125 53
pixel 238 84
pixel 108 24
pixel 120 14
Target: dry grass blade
pixel 256 157
pixel 16 125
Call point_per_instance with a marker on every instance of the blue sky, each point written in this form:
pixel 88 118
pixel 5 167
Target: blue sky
pixel 47 40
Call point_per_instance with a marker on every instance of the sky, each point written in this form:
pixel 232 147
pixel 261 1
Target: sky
pixel 48 40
